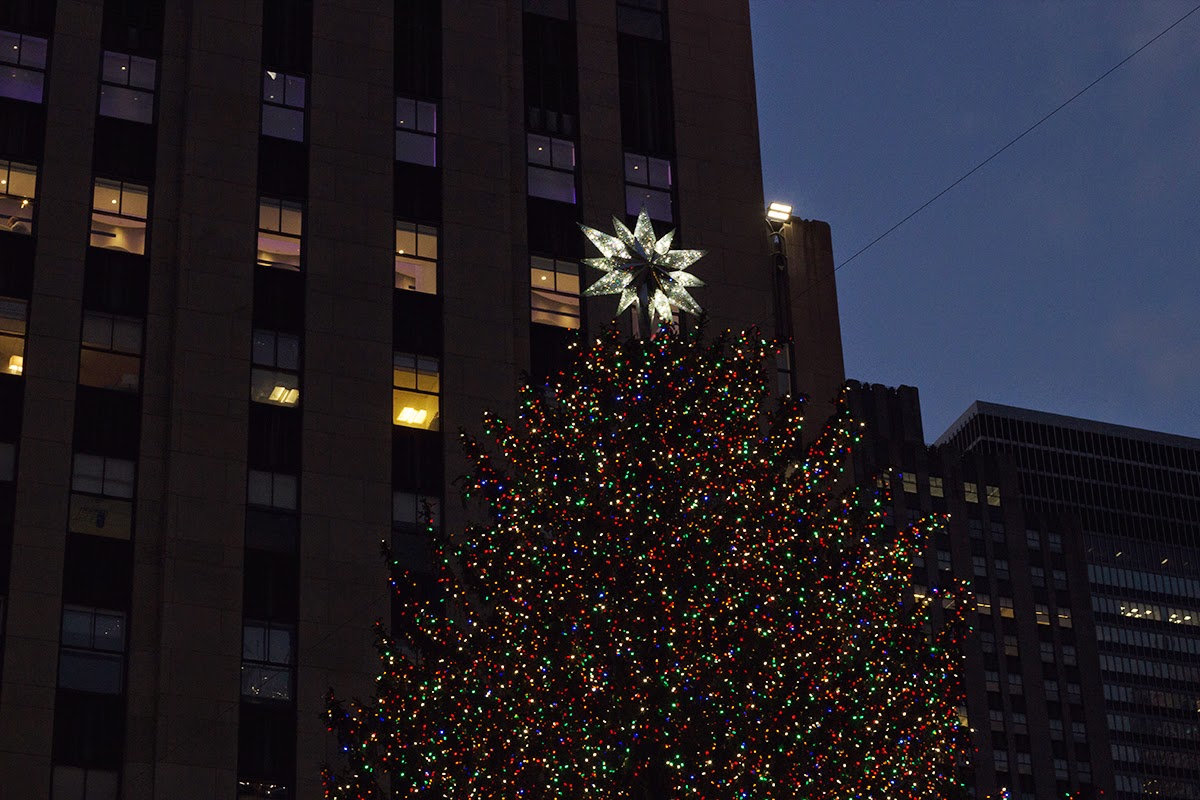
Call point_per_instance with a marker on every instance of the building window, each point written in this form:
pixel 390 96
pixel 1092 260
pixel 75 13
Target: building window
pixel 558 9
pixel 648 183
pixel 554 298
pixel 1054 542
pixel 1001 567
pixel 18 190
pixel 8 471
pixel 78 783
pixel 415 510
pixel 22 66
pixel 260 790
pixel 1033 539
pixel 416 257
pixel 944 563
pixel 103 476
pixel 415 386
pixel 993 495
pixel 91 658
pixel 936 487
pixel 110 356
pixel 1025 763
pixel 1006 607
pixel 119 212
pixel 271 489
pixel 1037 575
pixel 970 492
pixel 640 18
pixel 1064 618
pixel 283 105
pixel 551 163
pixel 416 132
pixel 275 377
pixel 1010 645
pixel 280 233
pixel 1041 613
pixel 1060 578
pixel 267 658
pixel 127 87
pixel 909 481
pixel 12 336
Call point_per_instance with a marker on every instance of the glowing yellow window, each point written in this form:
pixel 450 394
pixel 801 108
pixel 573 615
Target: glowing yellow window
pixel 415 385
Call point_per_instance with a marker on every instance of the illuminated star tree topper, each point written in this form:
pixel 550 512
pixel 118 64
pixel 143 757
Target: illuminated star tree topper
pixel 648 275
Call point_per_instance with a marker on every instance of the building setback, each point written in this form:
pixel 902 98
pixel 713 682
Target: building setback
pixel 1080 542
pixel 259 261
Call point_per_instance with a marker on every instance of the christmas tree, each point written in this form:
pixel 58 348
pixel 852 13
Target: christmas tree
pixel 668 596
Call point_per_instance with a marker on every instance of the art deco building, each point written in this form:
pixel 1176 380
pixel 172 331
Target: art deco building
pixel 260 260
pixel 1081 544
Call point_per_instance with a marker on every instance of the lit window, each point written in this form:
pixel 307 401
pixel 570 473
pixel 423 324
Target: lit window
pixel 1006 607
pixel 79 783
pixel 416 257
pixel 110 356
pixel 416 132
pixel 909 481
pixel 551 168
pixel 1064 618
pixel 92 652
pixel 127 87
pixel 936 487
pixel 640 18
pixel 1041 612
pixel 280 233
pixel 22 66
pixel 119 212
pixel 267 658
pixel 554 298
pixel 12 336
pixel 648 183
pixel 275 377
pixel 983 603
pixel 283 106
pixel 993 495
pixel 271 489
pixel 412 509
pixel 970 492
pixel 415 387
pixel 18 190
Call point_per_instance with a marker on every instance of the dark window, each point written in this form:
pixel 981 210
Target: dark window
pixel 551 167
pixel 287 35
pixel 553 229
pixel 110 352
pixel 283 102
pixel 268 656
pixel 107 423
pixel 416 460
pixel 133 26
pixel 83 783
pixel 551 75
pixel 418 47
pixel 271 588
pixel 647 124
pixel 548 353
pixel 88 729
pixel 274 434
pixel 418 193
pixel 641 18
pixel 558 9
pixel 124 148
pixel 266 743
pixel 274 531
pixel 416 323
pixel 28 16
pixel 16 265
pixel 282 168
pixel 22 130
pixel 115 282
pixel 416 131
pixel 278 299
pixel 97 572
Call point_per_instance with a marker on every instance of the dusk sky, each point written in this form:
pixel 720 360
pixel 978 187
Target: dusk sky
pixel 1064 276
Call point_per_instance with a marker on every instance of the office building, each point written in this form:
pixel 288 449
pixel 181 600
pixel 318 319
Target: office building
pixel 260 261
pixel 1080 542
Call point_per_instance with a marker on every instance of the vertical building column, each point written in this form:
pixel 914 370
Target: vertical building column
pixel 483 260
pixel 718 159
pixel 816 330
pixel 346 404
pixel 51 368
pixel 198 634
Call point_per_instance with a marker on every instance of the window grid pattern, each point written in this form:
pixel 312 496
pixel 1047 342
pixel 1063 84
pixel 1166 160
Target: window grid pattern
pixel 127 87
pixel 22 66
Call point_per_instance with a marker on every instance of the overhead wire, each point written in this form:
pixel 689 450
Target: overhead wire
pixel 1016 139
